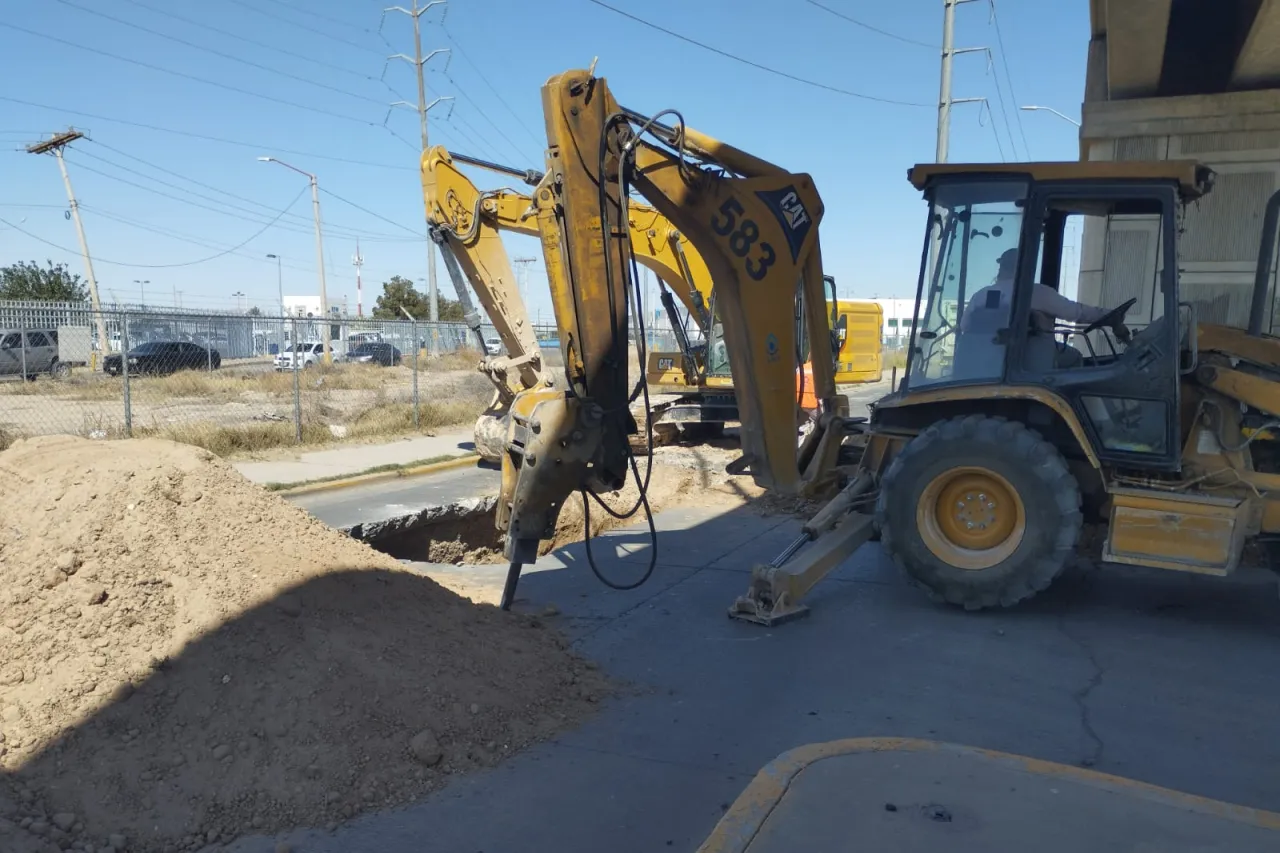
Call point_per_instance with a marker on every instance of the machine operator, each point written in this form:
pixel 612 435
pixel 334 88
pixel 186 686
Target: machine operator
pixel 1045 301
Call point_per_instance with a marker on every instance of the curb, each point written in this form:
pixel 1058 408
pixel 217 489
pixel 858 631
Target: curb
pixel 363 479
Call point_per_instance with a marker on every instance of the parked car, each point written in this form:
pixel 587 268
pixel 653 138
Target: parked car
pixel 308 355
pixel 374 353
pixel 493 346
pixel 39 355
pixel 163 357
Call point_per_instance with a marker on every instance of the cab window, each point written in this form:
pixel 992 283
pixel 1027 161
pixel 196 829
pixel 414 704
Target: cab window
pixel 962 303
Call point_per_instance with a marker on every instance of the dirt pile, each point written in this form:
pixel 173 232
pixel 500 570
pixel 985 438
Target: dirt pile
pixel 185 658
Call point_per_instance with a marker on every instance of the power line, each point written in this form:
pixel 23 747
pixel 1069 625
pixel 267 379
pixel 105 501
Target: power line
pixel 337 228
pixel 309 81
pixel 867 26
pixel 182 200
pixel 183 74
pixel 246 214
pixel 374 215
pixel 994 130
pixel 458 47
pixel 205 137
pixel 1004 60
pixel 314 14
pixel 472 138
pixel 516 148
pixel 266 45
pixel 274 16
pixel 180 236
pixel 255 235
pixel 1004 113
pixel 754 64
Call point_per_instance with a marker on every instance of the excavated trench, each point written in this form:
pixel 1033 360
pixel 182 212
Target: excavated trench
pixel 463 532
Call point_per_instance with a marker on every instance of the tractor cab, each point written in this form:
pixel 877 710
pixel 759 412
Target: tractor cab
pixel 1049 291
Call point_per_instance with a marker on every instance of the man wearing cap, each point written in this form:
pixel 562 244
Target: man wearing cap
pixel 1045 301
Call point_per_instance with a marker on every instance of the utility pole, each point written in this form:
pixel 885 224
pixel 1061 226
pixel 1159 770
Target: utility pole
pixel 54 146
pixel 280 294
pixel 522 275
pixel 357 262
pixel 325 316
pixel 419 62
pixel 945 101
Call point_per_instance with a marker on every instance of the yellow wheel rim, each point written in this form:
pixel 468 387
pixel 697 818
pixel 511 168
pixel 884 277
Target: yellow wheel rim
pixel 971 518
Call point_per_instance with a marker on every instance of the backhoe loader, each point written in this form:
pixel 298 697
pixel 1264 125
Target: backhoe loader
pixel 1010 433
pixel 690 391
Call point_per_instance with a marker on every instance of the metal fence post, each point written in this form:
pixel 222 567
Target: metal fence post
pixel 208 348
pixel 417 412
pixel 124 371
pixel 297 389
pixel 22 342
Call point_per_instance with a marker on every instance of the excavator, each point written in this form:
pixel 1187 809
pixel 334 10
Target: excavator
pixel 691 391
pixel 1008 430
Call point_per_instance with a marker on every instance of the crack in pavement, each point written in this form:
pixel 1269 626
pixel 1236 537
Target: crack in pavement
pixel 1081 696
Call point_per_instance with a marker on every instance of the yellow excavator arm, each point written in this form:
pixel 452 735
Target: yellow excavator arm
pixel 465 221
pixel 754 224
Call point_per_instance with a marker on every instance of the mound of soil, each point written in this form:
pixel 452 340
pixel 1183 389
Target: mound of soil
pixel 185 658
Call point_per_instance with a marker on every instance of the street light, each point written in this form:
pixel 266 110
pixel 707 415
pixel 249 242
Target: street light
pixel 324 299
pixel 142 290
pixel 238 295
pixel 280 289
pixel 1034 108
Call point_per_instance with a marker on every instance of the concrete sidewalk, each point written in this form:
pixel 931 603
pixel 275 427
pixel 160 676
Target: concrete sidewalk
pixel 357 459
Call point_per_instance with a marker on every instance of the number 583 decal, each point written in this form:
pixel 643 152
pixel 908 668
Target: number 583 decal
pixel 743 236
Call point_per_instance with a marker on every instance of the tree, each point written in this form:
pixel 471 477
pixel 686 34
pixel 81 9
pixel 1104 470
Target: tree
pixel 254 311
pixel 51 283
pixel 399 292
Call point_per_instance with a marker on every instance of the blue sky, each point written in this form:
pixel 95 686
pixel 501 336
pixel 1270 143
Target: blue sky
pixel 303 80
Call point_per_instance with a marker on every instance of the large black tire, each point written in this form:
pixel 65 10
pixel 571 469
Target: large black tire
pixel 927 500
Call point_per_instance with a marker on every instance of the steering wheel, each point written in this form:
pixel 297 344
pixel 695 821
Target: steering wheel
pixel 1111 318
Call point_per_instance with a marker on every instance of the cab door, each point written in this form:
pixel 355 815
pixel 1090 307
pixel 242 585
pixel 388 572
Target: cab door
pixel 1125 395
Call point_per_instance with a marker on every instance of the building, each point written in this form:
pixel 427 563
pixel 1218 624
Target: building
pixel 898 316
pixel 309 306
pixel 1184 81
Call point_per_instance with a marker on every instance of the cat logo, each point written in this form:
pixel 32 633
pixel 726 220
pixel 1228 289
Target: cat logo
pixel 793 210
pixel 665 364
pixel 796 221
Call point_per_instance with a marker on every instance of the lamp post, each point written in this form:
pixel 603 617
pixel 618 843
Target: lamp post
pixel 237 296
pixel 142 290
pixel 1034 108
pixel 324 299
pixel 280 293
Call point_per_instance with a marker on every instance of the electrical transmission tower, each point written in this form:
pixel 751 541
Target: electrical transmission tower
pixel 419 62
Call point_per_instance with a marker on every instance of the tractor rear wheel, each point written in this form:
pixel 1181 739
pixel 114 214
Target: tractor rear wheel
pixel 980 512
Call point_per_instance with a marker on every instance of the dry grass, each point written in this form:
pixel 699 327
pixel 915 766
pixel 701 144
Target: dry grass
pixel 228 383
pixel 322 423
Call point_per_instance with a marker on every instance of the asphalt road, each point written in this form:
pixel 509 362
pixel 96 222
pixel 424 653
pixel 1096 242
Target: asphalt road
pixel 1161 677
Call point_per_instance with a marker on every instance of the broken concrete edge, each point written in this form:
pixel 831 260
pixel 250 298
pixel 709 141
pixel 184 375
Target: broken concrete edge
pixel 374 531
pixel 363 479
pixel 744 820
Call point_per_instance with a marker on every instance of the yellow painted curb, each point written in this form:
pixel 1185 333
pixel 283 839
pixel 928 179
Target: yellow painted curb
pixel 363 479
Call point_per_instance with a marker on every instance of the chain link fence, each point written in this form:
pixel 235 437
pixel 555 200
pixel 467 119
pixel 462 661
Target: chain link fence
pixel 231 382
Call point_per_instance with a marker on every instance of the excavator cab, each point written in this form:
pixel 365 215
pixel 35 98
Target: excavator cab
pixel 991 319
